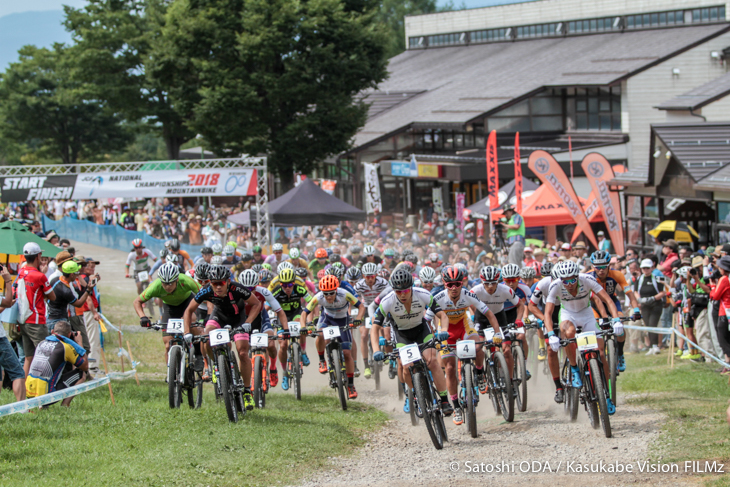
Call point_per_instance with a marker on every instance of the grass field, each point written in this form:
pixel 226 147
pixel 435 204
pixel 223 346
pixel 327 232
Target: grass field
pixel 695 400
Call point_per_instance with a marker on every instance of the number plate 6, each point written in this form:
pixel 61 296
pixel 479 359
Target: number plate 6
pixel 219 337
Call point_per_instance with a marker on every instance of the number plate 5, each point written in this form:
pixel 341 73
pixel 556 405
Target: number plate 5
pixel 260 340
pixel 175 326
pixel 331 332
pixel 409 354
pixel 466 349
pixel 587 341
pixel 219 337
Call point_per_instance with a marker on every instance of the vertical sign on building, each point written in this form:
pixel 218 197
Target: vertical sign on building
pixel 599 173
pixel 460 197
pixel 438 203
pixel 372 188
pixel 518 175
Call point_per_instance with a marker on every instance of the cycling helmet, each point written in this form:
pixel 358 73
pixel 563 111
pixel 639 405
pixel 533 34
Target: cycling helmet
pixel 256 249
pixel 510 271
pixel 389 252
pixel 277 247
pixel 168 243
pixel 433 257
pixel 206 251
pixel 232 244
pixel 247 257
pixel 284 265
pixel 216 260
pixel 412 258
pixel 301 272
pixel 355 249
pixel 321 273
pixel 267 266
pixel 265 276
pixel 384 273
pixel 286 275
pixel 329 283
pixel 401 279
pixel 137 243
pixel 462 268
pixel 490 273
pixel 219 273
pixel 229 251
pixel 294 253
pixel 257 267
pixel 171 258
pixel 249 278
pixel 566 269
pixel 168 273
pixel 600 257
pixel 201 271
pixel 369 269
pixel 163 253
pixel 368 250
pixel 427 275
pixel 527 273
pixel 174 244
pixel 320 254
pixel 452 273
pixel 546 269
pixel 217 249
pixel 353 274
pixel 335 258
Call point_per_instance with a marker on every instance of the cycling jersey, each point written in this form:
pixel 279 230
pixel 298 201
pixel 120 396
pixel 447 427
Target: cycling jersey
pixel 496 301
pixel 140 263
pixel 186 286
pixel 540 292
pixel 315 267
pixel 380 289
pixel 266 297
pixel 586 285
pixel 292 304
pixel 614 281
pixel 49 362
pixel 229 309
pixel 298 281
pixel 274 262
pixel 336 309
pixel 522 292
pixel 183 256
pixel 457 312
pixel 402 318
pixel 348 287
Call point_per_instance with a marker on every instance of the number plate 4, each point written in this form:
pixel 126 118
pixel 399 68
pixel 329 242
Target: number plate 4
pixel 466 349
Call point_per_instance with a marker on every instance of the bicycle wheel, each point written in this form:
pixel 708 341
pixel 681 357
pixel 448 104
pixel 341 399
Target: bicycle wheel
pixel 566 379
pixel 519 377
pixel 374 367
pixel 492 385
pixel 237 383
pixel 296 371
pixel 423 396
pixel 226 385
pixel 174 377
pixel 339 379
pixel 597 382
pixel 411 395
pixel 258 381
pixel 612 367
pixel 534 342
pixel 195 391
pixel 505 392
pixel 471 414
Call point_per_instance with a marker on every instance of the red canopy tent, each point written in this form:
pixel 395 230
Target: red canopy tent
pixel 543 208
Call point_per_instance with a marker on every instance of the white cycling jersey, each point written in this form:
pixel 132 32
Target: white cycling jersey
pixel 542 289
pixel 496 301
pixel 270 299
pixel 368 294
pixel 406 319
pixel 140 263
pixel 586 285
pixel 337 309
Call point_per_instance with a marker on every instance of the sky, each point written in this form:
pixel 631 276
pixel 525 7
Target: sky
pixel 15 6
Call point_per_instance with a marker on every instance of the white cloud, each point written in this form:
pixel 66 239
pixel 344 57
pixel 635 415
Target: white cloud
pixel 14 6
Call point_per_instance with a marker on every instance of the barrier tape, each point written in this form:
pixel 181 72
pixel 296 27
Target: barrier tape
pixel 109 324
pixel 672 331
pixel 35 402
pixel 121 375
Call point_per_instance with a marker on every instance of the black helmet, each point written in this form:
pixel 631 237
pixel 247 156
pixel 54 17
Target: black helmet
pixel 301 272
pixel 247 257
pixel 401 279
pixel 218 273
pixel 452 273
pixel 257 267
pixel 206 251
pixel 201 271
pixel 163 253
pixel 174 244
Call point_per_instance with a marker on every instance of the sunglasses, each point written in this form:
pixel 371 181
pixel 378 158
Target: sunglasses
pixel 218 283
pixel 402 291
pixel 491 283
pixel 570 281
pixel 329 293
pixel 601 267
pixel 511 279
pixel 452 285
pixel 287 284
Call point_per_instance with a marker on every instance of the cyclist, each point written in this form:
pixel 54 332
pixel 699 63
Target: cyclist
pixel 250 280
pixel 527 274
pixel 389 259
pixel 368 253
pixel 277 257
pixel 229 257
pixel 245 263
pixel 176 291
pixel 611 281
pixel 265 278
pixel 337 269
pixel 206 253
pixel 285 265
pixel 353 275
pixel 258 257
pixel 140 257
pixel 296 260
pixel 574 291
pixel 335 303
pixel 183 257
pixel 370 287
pixel 455 301
pixel 303 274
pixel 217 249
pixel 229 301
pixel 427 278
pixel 517 313
pixel 406 308
pixel 354 256
pixel 290 296
pixel 319 262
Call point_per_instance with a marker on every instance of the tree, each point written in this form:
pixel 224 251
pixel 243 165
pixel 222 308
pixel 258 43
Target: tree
pixel 278 77
pixel 392 14
pixel 116 42
pixel 41 105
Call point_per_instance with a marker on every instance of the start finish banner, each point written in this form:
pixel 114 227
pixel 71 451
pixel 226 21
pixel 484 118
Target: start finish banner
pixel 173 183
pixel 26 188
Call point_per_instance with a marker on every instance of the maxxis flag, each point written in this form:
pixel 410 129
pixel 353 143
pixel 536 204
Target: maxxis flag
pixel 599 172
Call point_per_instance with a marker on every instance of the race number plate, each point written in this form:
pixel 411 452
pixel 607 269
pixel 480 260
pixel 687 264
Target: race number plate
pixel 354 312
pixel 587 341
pixel 331 332
pixel 409 354
pixel 488 333
pixel 260 340
pixel 219 337
pixel 368 323
pixel 175 326
pixel 466 349
pixel 294 328
pixel 143 276
pixel 520 331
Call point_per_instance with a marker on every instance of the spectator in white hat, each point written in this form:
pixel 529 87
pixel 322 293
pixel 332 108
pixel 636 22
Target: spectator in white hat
pixel 603 242
pixel 652 297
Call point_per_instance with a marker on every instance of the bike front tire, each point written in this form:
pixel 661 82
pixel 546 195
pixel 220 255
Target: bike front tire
pixel 424 398
pixel 174 378
pixel 226 385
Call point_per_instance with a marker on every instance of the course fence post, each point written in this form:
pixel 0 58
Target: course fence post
pixel 132 359
pixel 106 370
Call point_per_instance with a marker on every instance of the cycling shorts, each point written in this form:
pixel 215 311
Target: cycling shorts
pixel 174 312
pixel 510 315
pixel 345 333
pixel 615 301
pixel 583 320
pixel 458 331
pixel 484 322
pixel 419 334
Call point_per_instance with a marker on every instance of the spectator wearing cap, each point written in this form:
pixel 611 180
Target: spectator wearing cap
pixel 32 290
pixel 669 250
pixel 722 294
pixel 55 265
pixel 565 251
pixel 66 295
pixel 579 252
pixel 8 359
pixel 89 311
pixel 603 242
pixel 699 296
pixel 529 257
pixel 651 295
pixel 515 236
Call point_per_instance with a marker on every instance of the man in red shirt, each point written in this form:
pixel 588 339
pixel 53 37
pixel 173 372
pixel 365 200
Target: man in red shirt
pixel 670 252
pixel 32 305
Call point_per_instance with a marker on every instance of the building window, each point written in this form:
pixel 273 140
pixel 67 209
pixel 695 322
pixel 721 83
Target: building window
pixel 594 108
pixel 710 14
pixel 541 113
pixel 490 35
pixel 592 25
pixel 447 39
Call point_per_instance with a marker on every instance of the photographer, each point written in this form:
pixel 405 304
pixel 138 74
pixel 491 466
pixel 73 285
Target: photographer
pixel 515 226
pixel 66 295
pixel 699 296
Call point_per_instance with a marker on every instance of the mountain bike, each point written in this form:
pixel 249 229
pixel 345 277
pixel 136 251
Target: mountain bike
pixel 181 375
pixel 294 367
pixel 375 366
pixel 593 392
pixel 259 354
pixel 497 375
pixel 466 353
pixel 427 397
pixel 519 368
pixel 336 361
pixel 226 371
pixel 609 344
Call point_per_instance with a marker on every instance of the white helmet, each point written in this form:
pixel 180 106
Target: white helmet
pixel 566 269
pixel 427 275
pixel 294 253
pixel 172 258
pixel 284 265
pixel 369 269
pixel 510 271
pixel 216 260
pixel 527 272
pixel 277 247
pixel 229 250
pixel 490 273
pixel 168 273
pixel 368 250
pixel 217 249
pixel 249 278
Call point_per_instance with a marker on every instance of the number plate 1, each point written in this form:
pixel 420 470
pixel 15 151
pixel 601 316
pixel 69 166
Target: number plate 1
pixel 143 276
pixel 409 354
pixel 175 325
pixel 466 349
pixel 587 341
pixel 331 332
pixel 260 340
pixel 294 328
pixel 219 337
